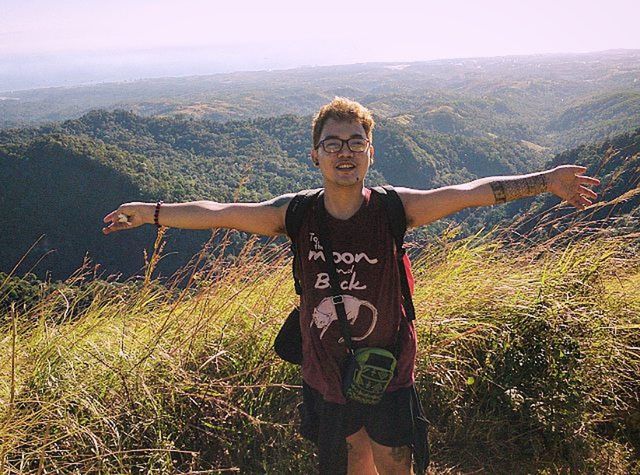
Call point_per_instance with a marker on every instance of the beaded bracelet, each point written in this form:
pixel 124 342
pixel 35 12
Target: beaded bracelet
pixel 157 213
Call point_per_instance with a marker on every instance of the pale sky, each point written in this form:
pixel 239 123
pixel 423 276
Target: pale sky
pixel 255 34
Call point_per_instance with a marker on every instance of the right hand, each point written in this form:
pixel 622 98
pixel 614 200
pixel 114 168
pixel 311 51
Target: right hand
pixel 136 215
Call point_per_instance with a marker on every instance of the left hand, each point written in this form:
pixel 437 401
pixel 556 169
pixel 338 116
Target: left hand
pixel 568 183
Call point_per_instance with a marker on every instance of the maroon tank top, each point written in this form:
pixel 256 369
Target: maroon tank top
pixel 364 256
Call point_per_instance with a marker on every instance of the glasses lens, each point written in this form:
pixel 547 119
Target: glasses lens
pixel 332 145
pixel 357 145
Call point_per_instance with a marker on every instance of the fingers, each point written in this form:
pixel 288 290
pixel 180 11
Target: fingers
pixel 116 216
pixel 579 201
pixel 110 216
pixel 583 190
pixel 117 221
pixel 116 226
pixel 588 180
pixel 578 171
pixel 586 195
pixel 576 186
pixel 585 202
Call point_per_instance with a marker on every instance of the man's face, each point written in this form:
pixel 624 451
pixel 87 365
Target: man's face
pixel 344 167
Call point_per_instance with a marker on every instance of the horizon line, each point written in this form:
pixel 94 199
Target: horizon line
pixel 319 66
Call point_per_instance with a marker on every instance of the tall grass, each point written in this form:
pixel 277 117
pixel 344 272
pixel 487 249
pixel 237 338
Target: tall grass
pixel 528 362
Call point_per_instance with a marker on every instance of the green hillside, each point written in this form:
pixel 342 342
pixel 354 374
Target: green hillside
pixel 590 119
pixel 550 101
pixel 63 178
pixel 616 162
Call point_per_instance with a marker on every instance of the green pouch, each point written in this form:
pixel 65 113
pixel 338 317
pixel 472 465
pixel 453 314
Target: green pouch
pixel 367 374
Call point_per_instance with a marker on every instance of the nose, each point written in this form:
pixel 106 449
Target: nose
pixel 345 151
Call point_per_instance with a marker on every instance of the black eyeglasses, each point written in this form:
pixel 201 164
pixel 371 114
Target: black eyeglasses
pixel 334 145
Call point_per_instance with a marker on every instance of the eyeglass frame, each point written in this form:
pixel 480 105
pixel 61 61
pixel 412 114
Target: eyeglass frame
pixel 321 143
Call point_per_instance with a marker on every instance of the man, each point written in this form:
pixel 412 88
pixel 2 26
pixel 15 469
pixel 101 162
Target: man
pixel 377 437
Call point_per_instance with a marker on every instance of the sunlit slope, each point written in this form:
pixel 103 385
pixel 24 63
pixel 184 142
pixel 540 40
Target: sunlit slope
pixel 589 119
pixel 616 162
pixel 551 102
pixel 61 179
pixel 527 361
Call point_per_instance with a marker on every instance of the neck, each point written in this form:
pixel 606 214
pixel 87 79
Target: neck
pixel 343 202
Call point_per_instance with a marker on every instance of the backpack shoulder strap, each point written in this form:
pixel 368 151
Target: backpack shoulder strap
pixel 395 212
pixel 296 210
pixel 398 224
pixel 293 222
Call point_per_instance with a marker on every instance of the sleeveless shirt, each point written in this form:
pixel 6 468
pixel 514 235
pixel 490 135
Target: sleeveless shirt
pixel 364 256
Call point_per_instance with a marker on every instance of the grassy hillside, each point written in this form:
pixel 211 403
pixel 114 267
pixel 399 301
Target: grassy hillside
pixel 528 362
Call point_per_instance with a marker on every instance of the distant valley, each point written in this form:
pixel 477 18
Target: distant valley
pixel 70 155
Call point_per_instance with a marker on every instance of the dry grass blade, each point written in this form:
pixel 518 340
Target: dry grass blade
pixel 528 361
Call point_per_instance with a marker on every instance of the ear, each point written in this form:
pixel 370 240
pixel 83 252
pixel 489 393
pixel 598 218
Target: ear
pixel 371 154
pixel 314 157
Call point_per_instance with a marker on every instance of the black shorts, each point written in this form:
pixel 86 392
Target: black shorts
pixel 389 423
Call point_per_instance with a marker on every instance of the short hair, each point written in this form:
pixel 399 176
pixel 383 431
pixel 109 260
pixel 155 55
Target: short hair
pixel 341 108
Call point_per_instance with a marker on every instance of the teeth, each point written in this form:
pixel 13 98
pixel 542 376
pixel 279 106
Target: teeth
pixel 345 166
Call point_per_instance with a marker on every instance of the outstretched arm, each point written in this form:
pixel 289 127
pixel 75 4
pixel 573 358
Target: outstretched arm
pixel 566 181
pixel 265 218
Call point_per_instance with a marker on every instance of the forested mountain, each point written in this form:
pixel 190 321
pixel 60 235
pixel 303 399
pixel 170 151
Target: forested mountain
pixel 548 101
pixel 245 137
pixel 616 162
pixel 60 180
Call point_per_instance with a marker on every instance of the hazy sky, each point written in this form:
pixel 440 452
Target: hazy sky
pixel 240 34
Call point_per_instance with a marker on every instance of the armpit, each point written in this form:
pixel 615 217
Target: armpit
pixel 279 201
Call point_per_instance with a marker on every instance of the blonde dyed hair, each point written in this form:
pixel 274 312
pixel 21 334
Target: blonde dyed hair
pixel 343 109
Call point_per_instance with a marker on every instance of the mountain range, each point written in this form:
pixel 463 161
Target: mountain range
pixel 246 137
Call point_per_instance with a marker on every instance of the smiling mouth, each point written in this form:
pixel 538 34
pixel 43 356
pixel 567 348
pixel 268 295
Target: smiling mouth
pixel 345 167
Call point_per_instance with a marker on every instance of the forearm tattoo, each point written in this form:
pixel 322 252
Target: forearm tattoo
pixel 508 190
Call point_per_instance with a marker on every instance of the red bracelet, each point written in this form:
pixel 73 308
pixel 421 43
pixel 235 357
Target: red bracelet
pixel 157 213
